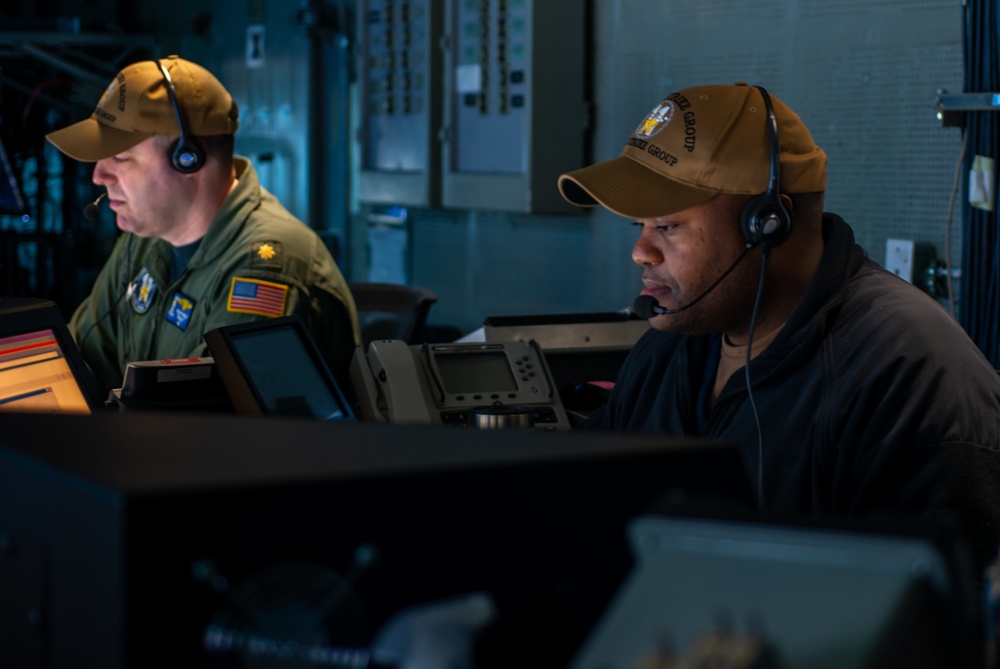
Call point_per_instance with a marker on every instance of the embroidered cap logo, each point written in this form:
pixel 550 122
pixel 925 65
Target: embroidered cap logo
pixel 656 120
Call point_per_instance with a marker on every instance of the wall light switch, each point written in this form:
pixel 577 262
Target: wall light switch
pixel 899 257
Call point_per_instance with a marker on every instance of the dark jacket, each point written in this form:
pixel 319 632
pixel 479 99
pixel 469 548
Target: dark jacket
pixel 871 398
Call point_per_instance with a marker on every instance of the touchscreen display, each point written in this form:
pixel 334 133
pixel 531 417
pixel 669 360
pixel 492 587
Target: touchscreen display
pixel 285 376
pixel 35 376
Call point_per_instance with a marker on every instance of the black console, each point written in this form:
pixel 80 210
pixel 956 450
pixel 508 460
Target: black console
pixel 141 539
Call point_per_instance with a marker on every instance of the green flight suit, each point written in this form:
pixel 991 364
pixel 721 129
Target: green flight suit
pixel 256 261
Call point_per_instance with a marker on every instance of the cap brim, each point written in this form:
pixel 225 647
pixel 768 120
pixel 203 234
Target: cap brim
pixel 89 141
pixel 629 189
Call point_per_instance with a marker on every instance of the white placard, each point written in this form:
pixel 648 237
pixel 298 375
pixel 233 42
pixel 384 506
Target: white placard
pixel 469 78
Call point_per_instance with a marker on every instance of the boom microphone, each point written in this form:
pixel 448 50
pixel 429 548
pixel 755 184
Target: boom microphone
pixel 646 306
pixel 91 211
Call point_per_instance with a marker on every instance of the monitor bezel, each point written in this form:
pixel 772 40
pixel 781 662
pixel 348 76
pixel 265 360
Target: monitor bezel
pixel 238 378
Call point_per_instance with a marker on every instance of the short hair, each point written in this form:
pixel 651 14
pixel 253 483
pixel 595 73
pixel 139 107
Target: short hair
pixel 220 146
pixel 807 206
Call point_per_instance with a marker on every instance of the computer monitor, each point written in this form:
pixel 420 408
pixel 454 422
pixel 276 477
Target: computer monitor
pixel 274 367
pixel 41 369
pixel 846 594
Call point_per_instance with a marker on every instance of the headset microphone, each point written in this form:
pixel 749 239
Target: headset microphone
pixel 646 306
pixel 91 211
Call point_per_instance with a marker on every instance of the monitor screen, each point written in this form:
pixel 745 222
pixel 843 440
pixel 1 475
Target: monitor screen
pixel 475 372
pixel 34 375
pixel 274 367
pixel 850 594
pixel 41 369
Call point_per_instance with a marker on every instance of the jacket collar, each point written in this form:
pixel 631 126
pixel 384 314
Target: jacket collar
pixel 811 319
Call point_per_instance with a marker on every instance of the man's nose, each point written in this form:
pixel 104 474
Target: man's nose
pixel 101 172
pixel 645 253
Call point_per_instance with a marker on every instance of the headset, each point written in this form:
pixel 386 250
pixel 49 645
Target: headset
pixel 765 220
pixel 766 223
pixel 185 155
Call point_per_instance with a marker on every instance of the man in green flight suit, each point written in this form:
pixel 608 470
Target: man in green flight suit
pixel 204 245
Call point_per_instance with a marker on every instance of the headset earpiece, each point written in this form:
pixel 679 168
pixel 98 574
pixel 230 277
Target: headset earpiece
pixel 765 220
pixel 185 155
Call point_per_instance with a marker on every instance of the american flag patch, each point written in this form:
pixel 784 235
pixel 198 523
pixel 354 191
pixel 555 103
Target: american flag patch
pixel 253 296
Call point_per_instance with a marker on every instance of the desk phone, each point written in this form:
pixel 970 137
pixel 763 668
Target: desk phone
pixel 461 384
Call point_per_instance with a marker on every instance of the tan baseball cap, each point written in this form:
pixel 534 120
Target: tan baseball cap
pixel 697 143
pixel 136 106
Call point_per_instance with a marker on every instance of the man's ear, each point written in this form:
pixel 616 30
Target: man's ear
pixel 787 201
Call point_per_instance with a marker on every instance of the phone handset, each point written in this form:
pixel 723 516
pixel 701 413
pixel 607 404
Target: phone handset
pixel 390 383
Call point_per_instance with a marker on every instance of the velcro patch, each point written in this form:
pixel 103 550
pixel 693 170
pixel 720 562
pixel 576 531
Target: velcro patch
pixel 180 311
pixel 253 296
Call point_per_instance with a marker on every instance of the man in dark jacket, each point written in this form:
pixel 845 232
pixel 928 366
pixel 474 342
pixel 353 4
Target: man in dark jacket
pixel 850 390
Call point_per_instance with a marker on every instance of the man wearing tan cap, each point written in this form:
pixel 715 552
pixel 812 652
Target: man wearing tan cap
pixel 849 390
pixel 204 245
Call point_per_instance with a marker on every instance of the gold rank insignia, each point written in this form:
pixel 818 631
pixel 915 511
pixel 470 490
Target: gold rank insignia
pixel 266 254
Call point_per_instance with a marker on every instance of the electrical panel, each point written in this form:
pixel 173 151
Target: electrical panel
pixel 400 101
pixel 471 104
pixel 514 108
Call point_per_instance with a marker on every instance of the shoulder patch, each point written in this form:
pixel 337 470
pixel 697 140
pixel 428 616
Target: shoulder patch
pixel 266 254
pixel 253 296
pixel 143 290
